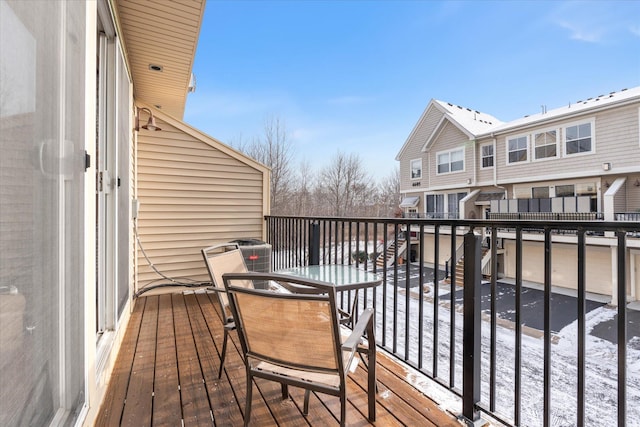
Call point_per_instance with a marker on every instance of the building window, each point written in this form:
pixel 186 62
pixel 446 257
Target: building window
pixel 517 149
pixel 486 153
pixel 545 144
pixel 416 169
pixel 451 161
pixel 435 205
pixel 565 190
pixel 586 189
pixel 540 192
pixel 578 139
pixel 453 208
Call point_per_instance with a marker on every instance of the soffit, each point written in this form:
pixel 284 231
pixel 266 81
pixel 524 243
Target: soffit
pixel 166 34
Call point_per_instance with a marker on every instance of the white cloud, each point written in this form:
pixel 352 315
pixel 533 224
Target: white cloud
pixel 596 22
pixel 583 32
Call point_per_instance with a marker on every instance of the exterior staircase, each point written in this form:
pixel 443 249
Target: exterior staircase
pixel 387 257
pixel 459 269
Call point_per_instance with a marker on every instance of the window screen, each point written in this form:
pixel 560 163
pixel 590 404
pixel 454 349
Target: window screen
pixel 41 211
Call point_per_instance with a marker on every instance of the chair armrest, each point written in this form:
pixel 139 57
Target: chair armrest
pixel 358 330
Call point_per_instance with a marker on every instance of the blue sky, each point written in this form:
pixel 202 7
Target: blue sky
pixel 355 76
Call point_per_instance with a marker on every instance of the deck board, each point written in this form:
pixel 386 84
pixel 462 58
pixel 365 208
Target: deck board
pixel 137 410
pixel 195 402
pixel 113 402
pixel 166 392
pixel 166 374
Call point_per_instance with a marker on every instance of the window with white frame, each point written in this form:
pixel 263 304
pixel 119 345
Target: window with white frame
pixel 578 138
pixel 545 144
pixel 416 168
pixel 486 153
pixel 517 149
pixel 451 161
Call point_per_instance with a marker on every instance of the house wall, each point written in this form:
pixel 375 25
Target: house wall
pixel 450 138
pixel 444 251
pixel 616 142
pixel 633 193
pixel 620 199
pixel 413 149
pixel 192 195
pixel 598 265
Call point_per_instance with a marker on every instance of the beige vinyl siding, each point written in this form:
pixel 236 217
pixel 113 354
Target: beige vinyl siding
pixel 620 199
pixel 450 138
pixel 484 176
pixel 598 265
pixel 413 149
pixel 633 193
pixel 616 142
pixel 444 250
pixel 192 194
pixel 420 195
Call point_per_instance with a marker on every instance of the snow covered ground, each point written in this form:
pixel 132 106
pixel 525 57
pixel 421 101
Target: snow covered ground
pixel 601 362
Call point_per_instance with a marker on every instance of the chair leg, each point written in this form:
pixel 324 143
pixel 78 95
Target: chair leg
pixel 285 391
pixel 224 352
pixel 247 405
pixel 305 409
pixel 372 388
pixel 343 407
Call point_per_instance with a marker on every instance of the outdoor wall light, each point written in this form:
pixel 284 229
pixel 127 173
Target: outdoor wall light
pixel 151 124
pixel 606 166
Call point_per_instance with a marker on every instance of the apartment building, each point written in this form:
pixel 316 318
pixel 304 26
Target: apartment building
pixel 580 161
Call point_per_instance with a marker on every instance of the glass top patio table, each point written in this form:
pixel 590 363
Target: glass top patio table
pixel 342 277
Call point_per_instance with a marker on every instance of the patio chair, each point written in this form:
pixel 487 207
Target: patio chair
pixel 295 339
pixel 220 259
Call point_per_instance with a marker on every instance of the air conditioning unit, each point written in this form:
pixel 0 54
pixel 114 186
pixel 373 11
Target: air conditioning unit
pixel 256 254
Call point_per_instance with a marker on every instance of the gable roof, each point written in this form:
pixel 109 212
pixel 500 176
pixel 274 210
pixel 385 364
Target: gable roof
pixel 608 100
pixel 473 121
pixel 476 124
pixel 470 122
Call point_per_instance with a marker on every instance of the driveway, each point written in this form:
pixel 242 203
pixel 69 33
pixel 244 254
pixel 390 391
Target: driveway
pixel 564 308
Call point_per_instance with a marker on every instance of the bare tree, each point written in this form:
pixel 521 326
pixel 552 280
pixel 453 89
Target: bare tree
pixel 345 185
pixel 275 150
pixel 389 194
pixel 302 191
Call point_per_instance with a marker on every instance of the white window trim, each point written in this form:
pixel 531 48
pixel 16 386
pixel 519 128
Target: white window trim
pixel 533 145
pixel 506 147
pixel 482 157
pixel 591 121
pixel 411 169
pixel 464 165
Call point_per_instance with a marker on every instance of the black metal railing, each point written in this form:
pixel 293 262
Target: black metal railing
pixel 496 370
pixel 547 216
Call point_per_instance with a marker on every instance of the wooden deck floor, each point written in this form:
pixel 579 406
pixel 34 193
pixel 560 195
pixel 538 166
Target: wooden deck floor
pixel 166 375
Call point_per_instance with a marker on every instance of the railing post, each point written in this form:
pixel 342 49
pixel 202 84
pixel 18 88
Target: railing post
pixel 314 243
pixel 471 329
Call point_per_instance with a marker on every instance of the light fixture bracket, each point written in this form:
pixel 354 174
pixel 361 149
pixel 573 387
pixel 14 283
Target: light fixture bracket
pixel 151 123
